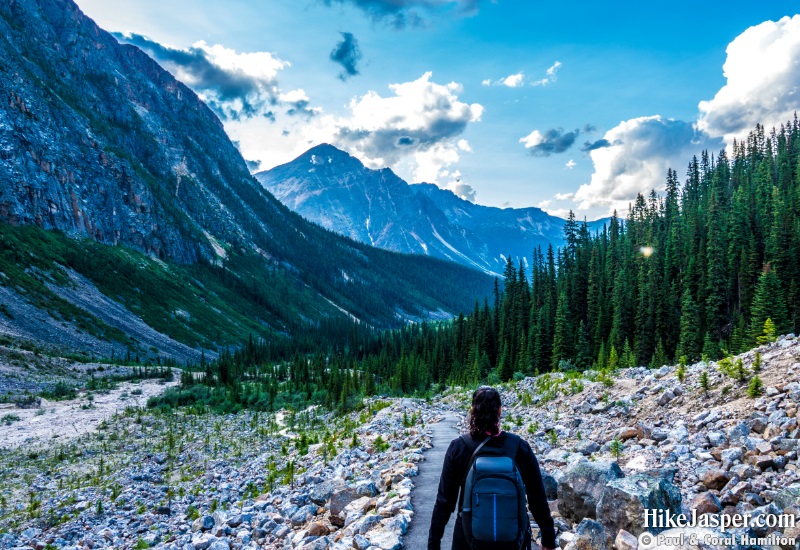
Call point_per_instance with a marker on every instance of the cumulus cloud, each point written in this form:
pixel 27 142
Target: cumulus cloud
pixel 513 80
pixel 418 128
pixel 552 141
pixel 235 85
pixel 516 80
pixel 589 146
pixel 762 72
pixel 408 13
pixel 571 164
pixel 636 160
pixel 347 54
pixel 460 188
pixel 298 103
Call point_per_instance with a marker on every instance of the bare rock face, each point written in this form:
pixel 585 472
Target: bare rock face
pixel 623 503
pixel 582 486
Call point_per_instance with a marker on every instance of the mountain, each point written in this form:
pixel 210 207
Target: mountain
pixel 335 190
pixel 100 143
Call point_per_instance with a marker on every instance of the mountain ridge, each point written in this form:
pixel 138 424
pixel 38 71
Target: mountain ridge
pixel 335 190
pixel 100 142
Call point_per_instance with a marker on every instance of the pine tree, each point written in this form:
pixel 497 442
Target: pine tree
pixel 769 333
pixel 690 342
pixel 705 384
pixel 769 303
pixel 562 348
pixel 755 388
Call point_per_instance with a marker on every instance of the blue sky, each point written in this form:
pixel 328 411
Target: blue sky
pixel 627 78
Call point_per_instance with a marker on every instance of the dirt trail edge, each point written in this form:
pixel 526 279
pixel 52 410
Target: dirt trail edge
pixel 426 485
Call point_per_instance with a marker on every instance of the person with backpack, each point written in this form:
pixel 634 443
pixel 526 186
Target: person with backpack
pixel 488 474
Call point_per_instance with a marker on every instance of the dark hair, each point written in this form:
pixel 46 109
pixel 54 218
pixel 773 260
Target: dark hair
pixel 484 416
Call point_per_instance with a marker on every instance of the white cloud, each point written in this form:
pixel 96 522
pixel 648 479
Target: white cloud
pixel 517 80
pixel 563 196
pixel 762 72
pixel 639 153
pixel 763 81
pixel 551 75
pixel 554 140
pixel 415 131
pixel 571 164
pixel 514 80
pixel 236 85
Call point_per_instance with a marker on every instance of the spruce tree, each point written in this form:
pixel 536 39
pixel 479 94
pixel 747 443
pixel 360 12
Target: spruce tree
pixel 769 303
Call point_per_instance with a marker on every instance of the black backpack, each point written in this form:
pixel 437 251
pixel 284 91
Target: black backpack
pixel 493 506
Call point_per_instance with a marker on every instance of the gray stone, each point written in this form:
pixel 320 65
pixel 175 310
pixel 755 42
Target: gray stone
pixel 582 486
pixel 339 501
pixel 739 431
pixel 322 492
pixel 589 535
pixel 623 503
pixel 625 541
pixel 550 486
pixel 587 447
pixel 385 540
pixel 790 496
pixel 304 514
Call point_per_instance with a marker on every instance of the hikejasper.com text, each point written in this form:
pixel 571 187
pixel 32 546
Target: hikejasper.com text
pixel 664 519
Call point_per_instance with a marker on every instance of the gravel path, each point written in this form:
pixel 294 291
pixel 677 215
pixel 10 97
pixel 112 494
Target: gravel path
pixel 426 485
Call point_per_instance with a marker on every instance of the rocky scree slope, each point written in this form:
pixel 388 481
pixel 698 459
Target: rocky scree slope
pixel 610 447
pixel 239 481
pixel 98 141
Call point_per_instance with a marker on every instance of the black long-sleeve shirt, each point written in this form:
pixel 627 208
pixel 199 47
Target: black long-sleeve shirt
pixel 456 461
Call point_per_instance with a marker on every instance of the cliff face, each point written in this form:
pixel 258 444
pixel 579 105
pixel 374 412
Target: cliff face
pixel 376 207
pixel 99 141
pixel 96 139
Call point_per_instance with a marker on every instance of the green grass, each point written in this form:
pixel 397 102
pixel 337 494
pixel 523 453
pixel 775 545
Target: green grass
pixel 199 305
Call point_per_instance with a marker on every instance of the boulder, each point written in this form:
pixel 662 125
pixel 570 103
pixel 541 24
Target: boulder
pixel 550 486
pixel 706 503
pixel 339 501
pixel 317 529
pixel 625 541
pixel 714 478
pixel 587 447
pixel 322 492
pixel 623 503
pixel 790 496
pixel 385 540
pixel 589 535
pixel 581 488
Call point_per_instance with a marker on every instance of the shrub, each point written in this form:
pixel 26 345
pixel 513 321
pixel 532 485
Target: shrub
pixel 8 419
pixel 616 447
pixel 755 388
pixel 705 384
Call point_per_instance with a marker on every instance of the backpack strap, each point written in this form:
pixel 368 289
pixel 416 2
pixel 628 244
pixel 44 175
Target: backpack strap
pixel 511 446
pixel 470 443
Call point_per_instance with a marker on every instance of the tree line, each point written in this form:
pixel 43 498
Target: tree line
pixel 698 271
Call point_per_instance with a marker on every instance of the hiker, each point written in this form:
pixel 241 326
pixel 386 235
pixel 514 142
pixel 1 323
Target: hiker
pixel 490 464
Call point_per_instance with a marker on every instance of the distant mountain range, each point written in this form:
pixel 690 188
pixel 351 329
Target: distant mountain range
pixel 101 143
pixel 335 190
